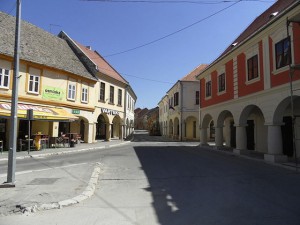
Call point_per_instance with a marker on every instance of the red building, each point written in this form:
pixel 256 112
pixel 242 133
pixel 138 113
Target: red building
pixel 250 94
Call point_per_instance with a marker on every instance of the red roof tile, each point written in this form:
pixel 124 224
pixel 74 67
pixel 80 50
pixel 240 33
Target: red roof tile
pixel 192 75
pixel 261 21
pixel 103 66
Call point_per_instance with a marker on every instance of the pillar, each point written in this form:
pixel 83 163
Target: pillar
pixel 203 137
pixel 108 131
pixel 275 145
pixel 241 139
pixel 219 136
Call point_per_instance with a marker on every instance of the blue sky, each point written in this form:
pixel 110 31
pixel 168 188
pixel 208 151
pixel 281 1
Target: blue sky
pixel 111 27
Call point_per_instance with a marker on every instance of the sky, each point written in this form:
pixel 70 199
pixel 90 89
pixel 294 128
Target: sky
pixel 166 40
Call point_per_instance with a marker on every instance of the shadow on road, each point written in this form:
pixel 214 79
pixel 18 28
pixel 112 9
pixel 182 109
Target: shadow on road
pixel 193 186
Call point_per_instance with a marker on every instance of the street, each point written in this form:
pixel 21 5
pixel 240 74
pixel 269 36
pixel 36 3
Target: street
pixel 152 182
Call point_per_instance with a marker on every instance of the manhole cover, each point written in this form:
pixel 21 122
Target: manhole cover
pixel 43 181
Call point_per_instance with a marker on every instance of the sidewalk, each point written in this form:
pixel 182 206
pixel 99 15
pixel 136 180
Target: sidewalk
pixel 65 150
pixel 51 188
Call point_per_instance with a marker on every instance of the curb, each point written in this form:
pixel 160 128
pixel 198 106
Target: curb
pixel 87 193
pixel 66 152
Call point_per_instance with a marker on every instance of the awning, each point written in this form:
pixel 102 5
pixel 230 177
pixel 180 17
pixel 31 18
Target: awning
pixel 39 112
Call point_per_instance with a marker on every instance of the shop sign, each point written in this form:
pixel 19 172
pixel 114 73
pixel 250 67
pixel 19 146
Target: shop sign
pixel 75 111
pixel 53 93
pixel 109 111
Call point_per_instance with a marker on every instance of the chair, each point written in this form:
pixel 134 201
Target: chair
pixel 78 138
pixel 45 141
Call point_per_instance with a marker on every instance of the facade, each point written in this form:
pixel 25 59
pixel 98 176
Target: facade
pixel 67 91
pixel 115 99
pixel 52 82
pixel 247 99
pixel 129 107
pixel 140 121
pixel 179 109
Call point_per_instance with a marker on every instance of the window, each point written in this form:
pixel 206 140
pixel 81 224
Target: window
pixel 4 78
pixel 119 97
pixel 111 95
pixel 197 97
pixel 84 94
pixel 208 89
pixel 71 91
pixel 34 83
pixel 252 64
pixel 176 98
pixel 221 82
pixel 283 53
pixel 102 91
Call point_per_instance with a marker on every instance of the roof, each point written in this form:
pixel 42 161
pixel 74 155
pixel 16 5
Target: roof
pixel 103 66
pixel 39 46
pixel 192 75
pixel 264 19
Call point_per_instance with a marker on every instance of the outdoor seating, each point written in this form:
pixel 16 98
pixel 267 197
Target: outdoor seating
pixel 44 141
pixel 23 144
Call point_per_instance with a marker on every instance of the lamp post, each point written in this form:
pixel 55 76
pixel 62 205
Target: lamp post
pixel 14 103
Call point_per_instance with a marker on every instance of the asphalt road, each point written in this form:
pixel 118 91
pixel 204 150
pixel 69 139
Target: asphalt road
pixel 151 182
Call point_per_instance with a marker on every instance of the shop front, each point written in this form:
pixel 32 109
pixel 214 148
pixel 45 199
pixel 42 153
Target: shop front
pixel 45 121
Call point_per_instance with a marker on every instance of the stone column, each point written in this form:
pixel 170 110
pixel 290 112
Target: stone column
pixel 275 153
pixel 108 131
pixel 241 139
pixel 219 137
pixel 203 137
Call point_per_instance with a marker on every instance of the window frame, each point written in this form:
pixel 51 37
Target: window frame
pixel 3 77
pixel 120 97
pixel 252 62
pixel 197 98
pixel 284 60
pixel 111 95
pixel 102 92
pixel 84 94
pixel 221 82
pixel 176 98
pixel 71 91
pixel 208 85
pixel 33 84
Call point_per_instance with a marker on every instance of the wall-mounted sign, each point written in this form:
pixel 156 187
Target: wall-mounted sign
pixel 75 111
pixel 109 111
pixel 53 93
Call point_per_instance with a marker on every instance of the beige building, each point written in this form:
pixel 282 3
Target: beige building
pixel 179 109
pixel 69 93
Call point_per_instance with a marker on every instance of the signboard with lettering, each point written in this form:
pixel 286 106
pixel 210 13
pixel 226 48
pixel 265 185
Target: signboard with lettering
pixel 53 93
pixel 110 111
pixel 75 111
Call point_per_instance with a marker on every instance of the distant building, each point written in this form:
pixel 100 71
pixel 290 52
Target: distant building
pixel 179 108
pixel 140 119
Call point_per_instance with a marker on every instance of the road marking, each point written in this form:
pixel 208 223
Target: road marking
pixel 40 170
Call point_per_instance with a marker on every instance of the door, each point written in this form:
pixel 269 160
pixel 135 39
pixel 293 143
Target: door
pixel 250 135
pixel 287 136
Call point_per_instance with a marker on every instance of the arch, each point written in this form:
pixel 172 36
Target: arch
pixel 206 120
pixel 116 127
pixel 225 122
pixel 191 128
pixel 101 126
pixel 283 117
pixel 252 118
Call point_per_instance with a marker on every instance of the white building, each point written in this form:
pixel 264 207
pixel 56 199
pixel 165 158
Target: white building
pixel 179 109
